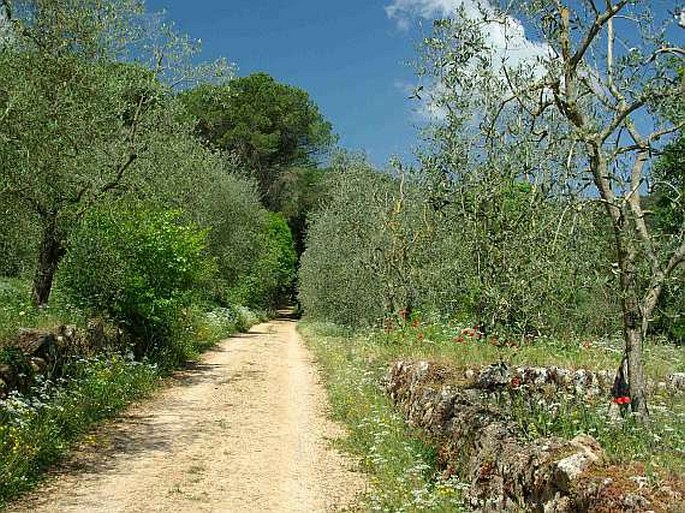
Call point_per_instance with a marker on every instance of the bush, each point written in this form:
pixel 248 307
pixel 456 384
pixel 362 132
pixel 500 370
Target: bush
pixel 141 268
pixel 269 281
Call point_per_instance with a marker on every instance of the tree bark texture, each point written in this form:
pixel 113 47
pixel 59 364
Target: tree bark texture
pixel 50 254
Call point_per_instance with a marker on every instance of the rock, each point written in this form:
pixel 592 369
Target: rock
pixel 494 377
pixel 559 505
pixel 677 381
pixel 569 469
pixel 8 377
pixel 36 343
pixel 634 502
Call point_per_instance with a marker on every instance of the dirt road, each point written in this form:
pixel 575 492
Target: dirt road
pixel 245 430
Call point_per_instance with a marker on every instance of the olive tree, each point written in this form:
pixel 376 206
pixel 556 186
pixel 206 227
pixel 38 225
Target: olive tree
pixel 75 120
pixel 586 101
pixel 369 246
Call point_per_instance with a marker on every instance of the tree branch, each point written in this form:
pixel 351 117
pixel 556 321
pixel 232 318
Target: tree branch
pixel 623 113
pixel 591 34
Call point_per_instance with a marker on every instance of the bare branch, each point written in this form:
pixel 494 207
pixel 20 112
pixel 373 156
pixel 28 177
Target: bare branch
pixel 591 34
pixel 623 113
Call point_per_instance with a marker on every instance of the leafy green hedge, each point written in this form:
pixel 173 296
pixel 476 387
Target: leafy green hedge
pixel 142 269
pixel 272 272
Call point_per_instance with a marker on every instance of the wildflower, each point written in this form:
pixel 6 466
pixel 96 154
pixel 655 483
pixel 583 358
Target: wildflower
pixel 515 382
pixel 421 336
pixel 415 323
pixel 622 400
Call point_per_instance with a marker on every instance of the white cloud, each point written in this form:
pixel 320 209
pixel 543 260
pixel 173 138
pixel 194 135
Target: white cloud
pixel 404 11
pixel 506 36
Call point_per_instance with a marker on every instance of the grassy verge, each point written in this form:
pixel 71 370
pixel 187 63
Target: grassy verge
pixel 403 469
pixel 38 427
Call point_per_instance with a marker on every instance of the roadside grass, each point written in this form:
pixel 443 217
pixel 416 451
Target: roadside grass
pixel 38 427
pixel 404 470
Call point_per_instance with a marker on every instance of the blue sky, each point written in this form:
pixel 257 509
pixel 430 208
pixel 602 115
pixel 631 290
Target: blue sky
pixel 350 56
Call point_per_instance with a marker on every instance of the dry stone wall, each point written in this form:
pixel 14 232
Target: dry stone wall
pixel 32 353
pixel 478 440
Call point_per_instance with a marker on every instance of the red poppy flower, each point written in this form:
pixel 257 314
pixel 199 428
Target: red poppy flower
pixel 621 400
pixel 421 336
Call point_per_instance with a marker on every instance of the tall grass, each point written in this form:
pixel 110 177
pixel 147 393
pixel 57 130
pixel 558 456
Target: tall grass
pixel 402 469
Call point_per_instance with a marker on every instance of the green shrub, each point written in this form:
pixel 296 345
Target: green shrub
pixel 141 268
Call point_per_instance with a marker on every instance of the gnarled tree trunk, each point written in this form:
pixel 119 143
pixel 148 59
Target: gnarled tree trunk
pixel 630 378
pixel 50 254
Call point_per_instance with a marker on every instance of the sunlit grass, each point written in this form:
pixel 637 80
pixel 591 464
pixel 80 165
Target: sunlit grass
pixel 402 469
pixel 355 363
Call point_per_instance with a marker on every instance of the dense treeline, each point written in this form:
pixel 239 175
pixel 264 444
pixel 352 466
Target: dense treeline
pixel 131 202
pixel 106 167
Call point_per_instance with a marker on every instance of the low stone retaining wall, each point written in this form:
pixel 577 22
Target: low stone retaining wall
pixel 478 440
pixel 33 353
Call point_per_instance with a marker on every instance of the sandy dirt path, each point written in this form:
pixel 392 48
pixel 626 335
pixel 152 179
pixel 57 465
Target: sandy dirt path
pixel 245 430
